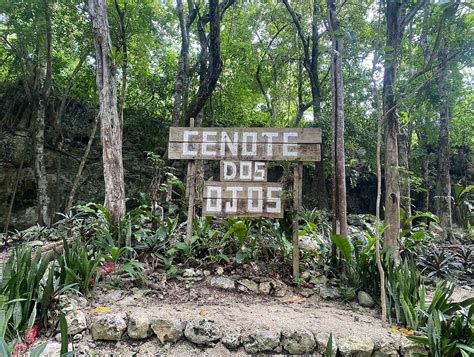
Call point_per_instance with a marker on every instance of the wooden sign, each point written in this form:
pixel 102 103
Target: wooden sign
pixel 243 171
pixel 242 189
pixel 246 199
pixel 264 144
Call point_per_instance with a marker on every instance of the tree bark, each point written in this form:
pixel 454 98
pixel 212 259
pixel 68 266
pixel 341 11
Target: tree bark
pixel 405 187
pixel 111 129
pixel 339 204
pixel 44 87
pixel 124 48
pixel 391 129
pixel 181 88
pixel 443 183
pixel 209 70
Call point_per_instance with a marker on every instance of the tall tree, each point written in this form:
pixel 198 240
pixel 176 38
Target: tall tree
pixel 397 18
pixel 111 126
pixel 339 204
pixel 310 44
pixel 43 86
pixel 443 182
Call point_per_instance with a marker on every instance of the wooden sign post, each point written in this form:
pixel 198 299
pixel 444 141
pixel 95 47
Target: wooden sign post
pixel 243 189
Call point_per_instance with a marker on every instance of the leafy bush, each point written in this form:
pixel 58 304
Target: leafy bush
pixel 24 292
pixel 447 327
pixel 436 262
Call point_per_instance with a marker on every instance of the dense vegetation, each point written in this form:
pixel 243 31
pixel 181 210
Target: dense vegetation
pixel 393 77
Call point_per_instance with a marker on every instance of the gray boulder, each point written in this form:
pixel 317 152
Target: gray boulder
pixel 76 321
pixel 167 330
pixel 232 338
pixel 222 282
pixel 329 293
pixel 360 346
pixel 322 339
pixel 108 327
pixel 298 341
pixel 139 326
pixel 247 284
pixel 262 340
pixel 365 299
pixel 202 331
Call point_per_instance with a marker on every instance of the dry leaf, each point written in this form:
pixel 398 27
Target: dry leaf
pixel 102 309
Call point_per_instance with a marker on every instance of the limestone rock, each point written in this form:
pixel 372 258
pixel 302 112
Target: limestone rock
pixel 322 339
pixel 308 243
pixel 202 331
pixel 139 326
pixel 108 327
pixel 410 348
pixel 387 349
pixel 360 346
pixel 262 340
pixel 329 293
pixel 265 287
pixel 298 341
pixel 222 282
pixel 318 280
pixel 365 299
pixel 247 284
pixel 232 338
pixel 167 330
pixel 76 321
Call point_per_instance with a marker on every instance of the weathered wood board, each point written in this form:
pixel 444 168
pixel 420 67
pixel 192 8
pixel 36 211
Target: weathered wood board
pixel 265 144
pixel 257 151
pixel 264 135
pixel 243 171
pixel 247 199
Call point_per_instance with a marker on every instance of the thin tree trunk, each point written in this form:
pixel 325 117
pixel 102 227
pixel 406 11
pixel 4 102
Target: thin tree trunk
pixel 338 160
pixel 44 86
pixel 124 48
pixel 443 183
pixel 75 185
pixel 111 133
pixel 405 187
pixel 59 139
pixel 181 89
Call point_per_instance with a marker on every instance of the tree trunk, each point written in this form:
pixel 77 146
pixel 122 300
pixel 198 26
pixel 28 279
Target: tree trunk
pixel 443 183
pixel 44 86
pixel 391 128
pixel 111 129
pixel 181 87
pixel 124 48
pixel 405 187
pixel 338 157
pixel 210 75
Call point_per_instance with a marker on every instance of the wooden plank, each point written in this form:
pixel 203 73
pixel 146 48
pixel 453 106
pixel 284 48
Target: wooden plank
pixel 243 171
pixel 297 196
pixel 249 199
pixel 256 152
pixel 242 190
pixel 242 209
pixel 190 193
pixel 263 135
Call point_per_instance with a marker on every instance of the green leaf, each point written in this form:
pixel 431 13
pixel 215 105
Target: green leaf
pixel 64 337
pixel 37 352
pixel 4 351
pixel 343 244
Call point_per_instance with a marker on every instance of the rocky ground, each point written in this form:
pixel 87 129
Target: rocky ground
pixel 221 316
